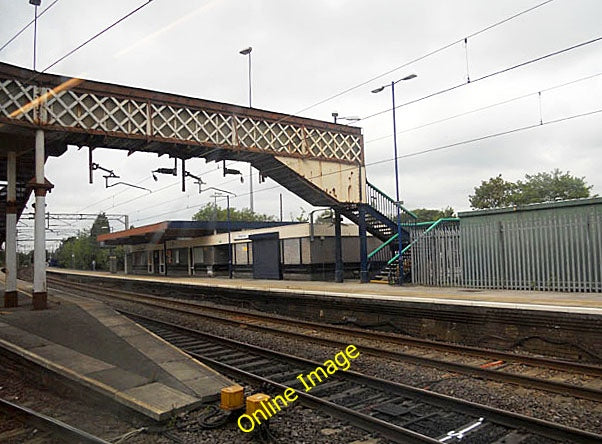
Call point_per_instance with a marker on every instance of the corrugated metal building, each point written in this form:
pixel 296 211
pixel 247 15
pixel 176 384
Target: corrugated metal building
pixel 555 246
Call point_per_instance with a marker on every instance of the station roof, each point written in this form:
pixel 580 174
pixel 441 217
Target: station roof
pixel 171 230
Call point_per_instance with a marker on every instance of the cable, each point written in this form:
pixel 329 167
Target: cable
pixel 416 153
pixel 98 34
pixel 418 59
pixel 504 102
pixel 487 76
pixel 27 25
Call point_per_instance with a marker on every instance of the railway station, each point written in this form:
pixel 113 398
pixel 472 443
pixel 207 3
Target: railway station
pixel 361 323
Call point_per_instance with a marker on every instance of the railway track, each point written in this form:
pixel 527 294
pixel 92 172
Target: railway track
pixel 487 364
pixel 24 425
pixel 398 412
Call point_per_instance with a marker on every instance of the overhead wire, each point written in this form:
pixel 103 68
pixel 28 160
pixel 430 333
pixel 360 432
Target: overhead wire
pixel 417 59
pixel 483 108
pixel 424 56
pixel 486 76
pixel 13 38
pixel 94 37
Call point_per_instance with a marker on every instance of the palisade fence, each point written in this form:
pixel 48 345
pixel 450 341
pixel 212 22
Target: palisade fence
pixel 561 252
pixel 436 256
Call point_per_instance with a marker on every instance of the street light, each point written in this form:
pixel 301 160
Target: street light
pixel 397 199
pixel 35 3
pixel 247 52
pixel 336 117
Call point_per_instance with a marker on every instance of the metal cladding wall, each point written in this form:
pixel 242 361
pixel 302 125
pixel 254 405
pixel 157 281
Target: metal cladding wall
pixel 553 247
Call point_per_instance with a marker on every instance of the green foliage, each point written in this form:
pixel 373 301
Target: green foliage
pixel 540 187
pixel 493 193
pixel 302 217
pixel 79 251
pixel 210 212
pixel 427 215
pixel 555 185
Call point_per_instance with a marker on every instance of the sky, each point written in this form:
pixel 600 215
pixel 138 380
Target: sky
pixel 305 56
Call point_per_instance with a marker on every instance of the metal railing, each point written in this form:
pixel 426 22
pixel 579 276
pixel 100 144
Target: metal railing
pixel 562 252
pixel 387 206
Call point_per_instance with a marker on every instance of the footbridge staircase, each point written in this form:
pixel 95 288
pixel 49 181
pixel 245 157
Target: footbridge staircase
pixel 321 162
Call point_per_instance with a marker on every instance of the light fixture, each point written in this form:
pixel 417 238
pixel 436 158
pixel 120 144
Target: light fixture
pixel 246 51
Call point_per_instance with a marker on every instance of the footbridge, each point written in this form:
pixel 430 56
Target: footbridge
pixel 321 162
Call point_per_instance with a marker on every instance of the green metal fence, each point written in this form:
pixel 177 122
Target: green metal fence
pixel 549 247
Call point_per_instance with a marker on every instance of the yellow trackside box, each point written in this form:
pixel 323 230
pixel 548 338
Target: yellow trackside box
pixel 254 403
pixel 233 398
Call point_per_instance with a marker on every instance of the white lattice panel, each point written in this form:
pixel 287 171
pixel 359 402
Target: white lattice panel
pixel 69 108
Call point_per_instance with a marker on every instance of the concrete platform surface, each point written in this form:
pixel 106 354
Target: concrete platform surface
pixel 587 303
pixel 93 345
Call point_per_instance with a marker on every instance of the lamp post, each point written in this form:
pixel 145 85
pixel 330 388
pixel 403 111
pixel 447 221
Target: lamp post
pixel 247 52
pixel 35 3
pixel 397 199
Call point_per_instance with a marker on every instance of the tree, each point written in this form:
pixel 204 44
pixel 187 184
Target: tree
pixel 492 193
pixel 540 187
pixel 79 251
pixel 427 215
pixel 211 212
pixel 555 185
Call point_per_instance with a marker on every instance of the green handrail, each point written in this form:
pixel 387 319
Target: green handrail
pixel 383 245
pixel 434 224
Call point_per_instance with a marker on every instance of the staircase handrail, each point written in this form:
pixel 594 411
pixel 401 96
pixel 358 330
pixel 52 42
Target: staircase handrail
pixel 434 224
pixel 401 207
pixel 383 245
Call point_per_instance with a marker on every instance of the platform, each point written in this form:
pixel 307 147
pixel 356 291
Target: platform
pixel 585 303
pixel 91 344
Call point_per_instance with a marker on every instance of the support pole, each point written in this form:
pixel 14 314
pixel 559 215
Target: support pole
pixel 364 277
pixel 229 238
pixel 338 248
pixel 40 297
pixel 10 290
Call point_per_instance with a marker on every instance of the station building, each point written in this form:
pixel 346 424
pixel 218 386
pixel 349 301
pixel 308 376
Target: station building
pixel 260 250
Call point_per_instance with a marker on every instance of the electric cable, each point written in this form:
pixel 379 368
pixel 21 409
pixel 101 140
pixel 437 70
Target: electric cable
pixel 483 108
pixel 27 25
pixel 94 37
pixel 486 76
pixel 424 56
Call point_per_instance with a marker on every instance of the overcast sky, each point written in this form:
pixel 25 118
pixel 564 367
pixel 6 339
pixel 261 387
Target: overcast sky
pixel 307 51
